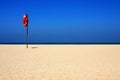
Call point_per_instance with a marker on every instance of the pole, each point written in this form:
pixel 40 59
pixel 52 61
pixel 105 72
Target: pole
pixel 27 37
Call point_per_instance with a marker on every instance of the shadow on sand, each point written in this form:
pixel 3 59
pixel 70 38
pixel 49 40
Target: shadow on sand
pixel 34 47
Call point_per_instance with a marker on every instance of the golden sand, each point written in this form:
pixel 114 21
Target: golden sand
pixel 60 62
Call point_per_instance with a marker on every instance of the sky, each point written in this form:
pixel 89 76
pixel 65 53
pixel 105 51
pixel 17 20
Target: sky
pixel 60 21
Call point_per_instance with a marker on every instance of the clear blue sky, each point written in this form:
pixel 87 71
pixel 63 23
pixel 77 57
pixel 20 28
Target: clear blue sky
pixel 60 21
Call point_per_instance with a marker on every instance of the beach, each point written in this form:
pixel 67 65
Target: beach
pixel 60 62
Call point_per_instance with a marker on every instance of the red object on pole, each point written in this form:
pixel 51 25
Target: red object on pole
pixel 25 20
pixel 25 23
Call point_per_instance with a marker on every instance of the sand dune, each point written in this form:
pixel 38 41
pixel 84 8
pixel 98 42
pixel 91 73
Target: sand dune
pixel 60 62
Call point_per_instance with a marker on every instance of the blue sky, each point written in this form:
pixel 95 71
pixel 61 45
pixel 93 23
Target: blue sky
pixel 60 21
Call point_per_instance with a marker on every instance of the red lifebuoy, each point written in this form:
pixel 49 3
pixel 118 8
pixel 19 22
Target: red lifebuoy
pixel 25 20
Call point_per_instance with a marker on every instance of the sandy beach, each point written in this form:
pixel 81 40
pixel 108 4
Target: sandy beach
pixel 60 62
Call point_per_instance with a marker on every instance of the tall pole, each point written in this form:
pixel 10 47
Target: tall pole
pixel 25 23
pixel 27 37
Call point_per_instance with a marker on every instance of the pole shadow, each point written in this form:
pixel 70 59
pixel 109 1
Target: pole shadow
pixel 34 47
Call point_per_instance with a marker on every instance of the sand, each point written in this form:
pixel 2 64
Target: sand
pixel 60 62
